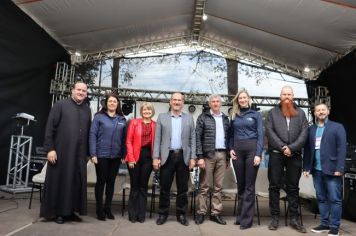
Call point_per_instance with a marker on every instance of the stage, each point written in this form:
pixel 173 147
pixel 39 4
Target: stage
pixel 17 219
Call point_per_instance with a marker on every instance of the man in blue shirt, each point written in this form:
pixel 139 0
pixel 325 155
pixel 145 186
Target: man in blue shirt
pixel 324 158
pixel 174 154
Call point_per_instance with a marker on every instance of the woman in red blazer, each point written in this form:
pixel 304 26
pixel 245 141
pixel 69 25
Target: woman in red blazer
pixel 139 145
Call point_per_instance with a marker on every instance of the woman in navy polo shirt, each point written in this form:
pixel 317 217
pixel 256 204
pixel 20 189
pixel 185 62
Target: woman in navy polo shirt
pixel 246 144
pixel 107 142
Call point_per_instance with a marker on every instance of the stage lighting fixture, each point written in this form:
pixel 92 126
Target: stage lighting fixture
pixel 191 108
pixel 205 108
pixel 229 111
pixel 127 107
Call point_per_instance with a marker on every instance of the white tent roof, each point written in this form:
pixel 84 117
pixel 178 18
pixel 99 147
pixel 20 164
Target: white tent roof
pixel 288 35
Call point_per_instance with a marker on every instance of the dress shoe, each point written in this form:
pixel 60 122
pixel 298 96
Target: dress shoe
pixel 141 220
pixel 297 226
pixel 100 216
pixel 218 219
pixel 242 227
pixel 161 219
pixel 109 215
pixel 274 223
pixel 183 220
pixel 199 219
pixel 59 220
pixel 74 217
pixel 237 222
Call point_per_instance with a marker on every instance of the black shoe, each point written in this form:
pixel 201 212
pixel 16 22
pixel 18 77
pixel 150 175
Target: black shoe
pixel 297 226
pixel 74 217
pixel 237 222
pixel 320 229
pixel 59 220
pixel 333 232
pixel 183 220
pixel 274 223
pixel 100 216
pixel 244 227
pixel 199 219
pixel 161 220
pixel 109 215
pixel 218 219
pixel 141 220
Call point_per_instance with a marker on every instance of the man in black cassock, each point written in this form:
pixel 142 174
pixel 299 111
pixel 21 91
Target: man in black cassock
pixel 66 144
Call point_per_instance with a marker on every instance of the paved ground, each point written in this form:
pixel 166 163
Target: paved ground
pixel 17 219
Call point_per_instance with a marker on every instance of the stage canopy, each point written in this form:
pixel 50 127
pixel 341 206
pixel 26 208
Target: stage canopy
pixel 288 35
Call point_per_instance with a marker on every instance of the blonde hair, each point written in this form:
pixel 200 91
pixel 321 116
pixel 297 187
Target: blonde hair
pixel 149 106
pixel 236 109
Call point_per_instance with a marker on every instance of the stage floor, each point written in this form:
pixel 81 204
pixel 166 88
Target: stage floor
pixel 17 219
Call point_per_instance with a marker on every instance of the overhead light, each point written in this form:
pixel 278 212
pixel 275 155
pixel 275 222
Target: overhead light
pixel 307 69
pixel 77 54
pixel 205 17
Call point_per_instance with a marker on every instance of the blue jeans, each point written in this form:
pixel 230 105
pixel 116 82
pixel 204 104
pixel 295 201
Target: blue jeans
pixel 328 194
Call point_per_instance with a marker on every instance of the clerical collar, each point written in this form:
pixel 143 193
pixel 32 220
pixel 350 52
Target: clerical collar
pixel 76 102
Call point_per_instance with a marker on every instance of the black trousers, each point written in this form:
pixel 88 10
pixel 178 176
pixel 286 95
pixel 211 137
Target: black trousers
pixel 174 165
pixel 106 172
pixel 139 177
pixel 289 169
pixel 246 174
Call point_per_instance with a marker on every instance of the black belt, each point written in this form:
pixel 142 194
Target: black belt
pixel 220 150
pixel 176 151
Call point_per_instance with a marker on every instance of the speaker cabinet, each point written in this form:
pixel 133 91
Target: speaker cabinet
pixel 349 203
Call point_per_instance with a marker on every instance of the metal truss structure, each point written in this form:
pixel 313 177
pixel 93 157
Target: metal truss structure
pixel 60 88
pixel 19 165
pixel 321 95
pixel 197 19
pixel 194 41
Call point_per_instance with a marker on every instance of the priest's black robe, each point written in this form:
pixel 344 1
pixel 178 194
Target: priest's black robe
pixel 65 188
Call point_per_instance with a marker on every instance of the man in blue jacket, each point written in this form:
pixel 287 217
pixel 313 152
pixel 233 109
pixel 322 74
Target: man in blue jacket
pixel 324 158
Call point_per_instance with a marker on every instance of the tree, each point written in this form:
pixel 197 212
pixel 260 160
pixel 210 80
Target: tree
pixel 87 72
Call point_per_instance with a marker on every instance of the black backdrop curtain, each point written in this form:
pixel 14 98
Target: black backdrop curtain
pixel 27 64
pixel 339 79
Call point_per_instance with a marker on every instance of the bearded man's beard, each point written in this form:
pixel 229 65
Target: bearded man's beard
pixel 288 109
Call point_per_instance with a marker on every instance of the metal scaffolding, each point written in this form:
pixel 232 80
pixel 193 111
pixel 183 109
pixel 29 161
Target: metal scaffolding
pixel 19 164
pixel 60 88
pixel 194 40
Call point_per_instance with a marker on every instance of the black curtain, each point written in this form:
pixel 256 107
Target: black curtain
pixel 28 56
pixel 339 79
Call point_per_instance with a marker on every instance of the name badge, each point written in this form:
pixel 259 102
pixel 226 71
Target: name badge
pixel 317 142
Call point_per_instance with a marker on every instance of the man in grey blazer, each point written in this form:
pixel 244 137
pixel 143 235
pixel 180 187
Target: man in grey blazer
pixel 174 153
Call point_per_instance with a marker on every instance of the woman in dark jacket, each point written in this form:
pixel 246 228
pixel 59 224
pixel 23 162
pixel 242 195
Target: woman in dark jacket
pixel 106 144
pixel 246 143
pixel 139 144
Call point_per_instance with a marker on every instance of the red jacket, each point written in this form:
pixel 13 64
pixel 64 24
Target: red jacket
pixel 133 139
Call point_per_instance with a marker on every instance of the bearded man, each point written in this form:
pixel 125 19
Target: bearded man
pixel 286 129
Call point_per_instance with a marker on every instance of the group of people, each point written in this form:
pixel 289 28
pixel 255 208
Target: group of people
pixel 174 146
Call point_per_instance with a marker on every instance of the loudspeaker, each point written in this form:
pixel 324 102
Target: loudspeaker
pixel 349 203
